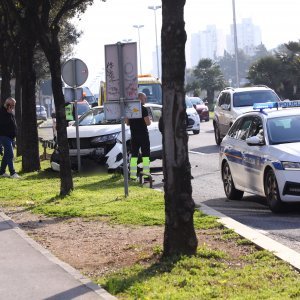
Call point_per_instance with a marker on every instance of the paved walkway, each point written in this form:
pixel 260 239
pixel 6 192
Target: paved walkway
pixel 30 272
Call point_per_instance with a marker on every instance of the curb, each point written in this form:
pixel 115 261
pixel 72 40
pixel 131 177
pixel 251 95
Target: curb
pixel 283 252
pixel 103 294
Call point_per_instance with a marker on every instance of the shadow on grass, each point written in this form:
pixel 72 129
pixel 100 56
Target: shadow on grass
pixel 119 284
pixel 43 174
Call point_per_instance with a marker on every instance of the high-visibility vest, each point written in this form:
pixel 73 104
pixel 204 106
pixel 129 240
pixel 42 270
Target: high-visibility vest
pixel 69 112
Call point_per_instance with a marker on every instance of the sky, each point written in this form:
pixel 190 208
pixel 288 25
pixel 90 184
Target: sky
pixel 112 21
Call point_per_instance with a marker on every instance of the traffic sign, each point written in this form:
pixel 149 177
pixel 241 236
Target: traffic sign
pixel 74 72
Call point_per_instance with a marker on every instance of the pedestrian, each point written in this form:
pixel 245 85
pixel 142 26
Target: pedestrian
pixel 8 132
pixel 140 140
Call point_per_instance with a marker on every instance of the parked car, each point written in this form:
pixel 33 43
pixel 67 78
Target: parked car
pixel 193 119
pixel 101 139
pixel 201 108
pixel 41 113
pixel 261 155
pixel 233 102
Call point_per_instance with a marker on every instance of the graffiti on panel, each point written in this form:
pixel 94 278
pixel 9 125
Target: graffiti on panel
pixel 112 81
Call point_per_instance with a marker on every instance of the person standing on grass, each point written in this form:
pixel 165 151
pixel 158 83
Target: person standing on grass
pixel 140 140
pixel 8 132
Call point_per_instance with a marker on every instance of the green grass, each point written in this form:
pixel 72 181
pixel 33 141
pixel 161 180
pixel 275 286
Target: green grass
pixel 211 274
pixel 208 275
pixel 94 196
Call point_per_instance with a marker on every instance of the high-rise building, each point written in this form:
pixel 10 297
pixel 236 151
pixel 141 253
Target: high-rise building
pixel 208 43
pixel 248 37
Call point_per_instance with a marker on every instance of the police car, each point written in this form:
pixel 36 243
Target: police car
pixel 261 154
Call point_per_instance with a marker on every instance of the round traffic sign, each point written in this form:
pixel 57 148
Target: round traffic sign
pixel 74 72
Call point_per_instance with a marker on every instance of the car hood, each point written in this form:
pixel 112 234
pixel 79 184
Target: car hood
pixel 243 109
pixel 94 130
pixel 287 152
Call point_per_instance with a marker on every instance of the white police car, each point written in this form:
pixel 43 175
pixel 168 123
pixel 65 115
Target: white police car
pixel 261 154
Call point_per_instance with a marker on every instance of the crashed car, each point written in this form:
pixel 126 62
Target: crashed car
pixel 101 139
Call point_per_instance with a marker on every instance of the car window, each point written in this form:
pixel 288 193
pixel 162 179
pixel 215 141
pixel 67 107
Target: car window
pixel 248 98
pixel 284 129
pixel 188 103
pixel 82 108
pixel 241 129
pixel 256 127
pixel 156 114
pixel 196 100
pixel 222 99
pixel 96 117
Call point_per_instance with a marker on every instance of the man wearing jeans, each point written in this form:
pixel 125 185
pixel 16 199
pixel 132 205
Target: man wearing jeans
pixel 8 131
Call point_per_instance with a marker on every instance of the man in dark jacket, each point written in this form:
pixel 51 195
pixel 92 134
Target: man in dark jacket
pixel 8 131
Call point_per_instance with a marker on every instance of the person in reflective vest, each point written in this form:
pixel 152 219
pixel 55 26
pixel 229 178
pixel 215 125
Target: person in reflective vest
pixel 140 140
pixel 69 112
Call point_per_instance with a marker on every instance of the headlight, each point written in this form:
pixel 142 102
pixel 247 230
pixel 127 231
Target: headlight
pixel 289 165
pixel 109 139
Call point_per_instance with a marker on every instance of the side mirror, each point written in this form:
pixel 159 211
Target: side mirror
pixel 255 141
pixel 225 106
pixel 205 102
pixel 53 115
pixel 70 123
pixel 194 105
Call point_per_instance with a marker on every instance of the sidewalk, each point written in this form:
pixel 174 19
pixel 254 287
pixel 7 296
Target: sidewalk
pixel 30 272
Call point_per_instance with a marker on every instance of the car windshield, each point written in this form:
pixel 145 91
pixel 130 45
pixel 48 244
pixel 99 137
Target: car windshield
pixel 196 101
pixel 248 98
pixel 188 103
pixel 152 91
pixel 284 130
pixel 82 108
pixel 96 117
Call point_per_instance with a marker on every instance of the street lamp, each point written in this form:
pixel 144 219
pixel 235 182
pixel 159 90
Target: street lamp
pixel 138 28
pixel 126 40
pixel 235 46
pixel 155 8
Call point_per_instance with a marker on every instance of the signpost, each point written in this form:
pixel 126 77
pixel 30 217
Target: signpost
pixel 122 89
pixel 75 74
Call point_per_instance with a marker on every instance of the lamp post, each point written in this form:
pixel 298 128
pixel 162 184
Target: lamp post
pixel 138 28
pixel 155 8
pixel 126 40
pixel 235 46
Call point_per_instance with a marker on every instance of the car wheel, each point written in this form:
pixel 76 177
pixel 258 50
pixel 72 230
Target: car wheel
pixel 231 192
pixel 217 134
pixel 272 192
pixel 196 131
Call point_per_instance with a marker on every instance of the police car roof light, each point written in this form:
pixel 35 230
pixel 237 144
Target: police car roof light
pixel 265 105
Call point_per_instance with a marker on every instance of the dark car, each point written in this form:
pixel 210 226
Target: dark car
pixel 201 108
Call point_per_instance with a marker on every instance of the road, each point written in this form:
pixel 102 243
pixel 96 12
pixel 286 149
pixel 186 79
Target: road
pixel 208 189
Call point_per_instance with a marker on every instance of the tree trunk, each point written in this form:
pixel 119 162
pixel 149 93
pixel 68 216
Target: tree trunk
pixel 30 143
pixel 18 96
pixel 210 97
pixel 53 54
pixel 179 236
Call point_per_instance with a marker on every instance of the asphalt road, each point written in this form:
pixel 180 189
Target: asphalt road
pixel 208 188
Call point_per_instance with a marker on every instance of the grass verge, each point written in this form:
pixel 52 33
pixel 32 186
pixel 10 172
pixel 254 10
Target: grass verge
pixel 211 274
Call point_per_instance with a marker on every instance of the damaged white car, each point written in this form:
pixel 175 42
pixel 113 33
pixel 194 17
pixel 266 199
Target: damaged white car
pixel 101 139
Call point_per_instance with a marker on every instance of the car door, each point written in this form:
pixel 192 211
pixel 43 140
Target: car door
pixel 223 111
pixel 154 133
pixel 235 148
pixel 253 158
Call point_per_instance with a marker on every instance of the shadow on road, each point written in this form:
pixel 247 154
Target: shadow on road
pixel 211 149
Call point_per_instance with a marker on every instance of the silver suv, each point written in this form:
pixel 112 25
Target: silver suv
pixel 233 102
